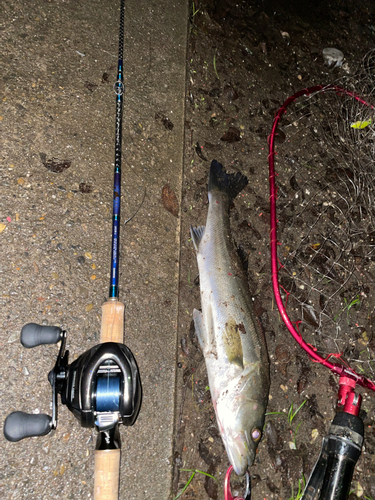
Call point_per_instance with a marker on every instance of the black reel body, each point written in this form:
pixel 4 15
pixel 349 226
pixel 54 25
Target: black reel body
pixel 102 388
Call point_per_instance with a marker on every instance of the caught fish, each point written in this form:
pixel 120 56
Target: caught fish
pixel 229 333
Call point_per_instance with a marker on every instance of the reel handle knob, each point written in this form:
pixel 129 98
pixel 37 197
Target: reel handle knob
pixel 19 425
pixel 33 335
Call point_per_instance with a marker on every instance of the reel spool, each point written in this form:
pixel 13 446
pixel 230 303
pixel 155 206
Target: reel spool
pixel 101 388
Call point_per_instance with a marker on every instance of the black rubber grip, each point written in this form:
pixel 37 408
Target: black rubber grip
pixel 33 335
pixel 19 425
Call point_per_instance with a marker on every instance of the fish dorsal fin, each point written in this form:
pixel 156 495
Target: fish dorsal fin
pixel 232 343
pixel 197 235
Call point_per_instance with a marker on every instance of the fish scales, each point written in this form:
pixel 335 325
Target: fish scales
pixel 228 331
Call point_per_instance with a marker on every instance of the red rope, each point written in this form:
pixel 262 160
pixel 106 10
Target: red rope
pixel 334 367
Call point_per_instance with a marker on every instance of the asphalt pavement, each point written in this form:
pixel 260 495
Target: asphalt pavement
pixel 57 120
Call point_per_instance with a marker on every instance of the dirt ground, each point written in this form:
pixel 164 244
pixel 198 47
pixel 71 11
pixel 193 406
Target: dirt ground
pixel 244 59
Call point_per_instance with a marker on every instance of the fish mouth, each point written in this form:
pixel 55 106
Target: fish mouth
pixel 240 455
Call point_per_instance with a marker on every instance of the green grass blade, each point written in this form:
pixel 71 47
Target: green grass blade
pixel 193 471
pixel 292 414
pixel 187 484
pixel 205 474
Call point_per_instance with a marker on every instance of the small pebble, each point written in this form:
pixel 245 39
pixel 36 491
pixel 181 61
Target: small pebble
pixel 66 436
pixel 13 337
pixel 314 434
pixel 46 447
pixel 333 57
pixel 83 291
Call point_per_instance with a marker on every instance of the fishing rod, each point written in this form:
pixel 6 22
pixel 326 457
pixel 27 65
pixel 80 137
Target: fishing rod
pixel 102 387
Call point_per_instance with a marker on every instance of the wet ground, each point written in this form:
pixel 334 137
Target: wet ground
pixel 244 60
pixel 58 123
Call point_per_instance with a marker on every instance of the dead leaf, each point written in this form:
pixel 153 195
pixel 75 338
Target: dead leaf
pixel 199 152
pixel 90 86
pixel 168 124
pixel 169 200
pixel 230 93
pixel 233 134
pixel 55 165
pixel 85 188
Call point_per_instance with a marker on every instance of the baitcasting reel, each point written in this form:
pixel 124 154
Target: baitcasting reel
pixel 101 388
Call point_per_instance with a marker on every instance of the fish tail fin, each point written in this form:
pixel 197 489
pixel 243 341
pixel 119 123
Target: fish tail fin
pixel 231 184
pixel 197 235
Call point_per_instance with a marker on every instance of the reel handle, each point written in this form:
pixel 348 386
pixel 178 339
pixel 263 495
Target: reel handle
pixel 19 425
pixel 33 335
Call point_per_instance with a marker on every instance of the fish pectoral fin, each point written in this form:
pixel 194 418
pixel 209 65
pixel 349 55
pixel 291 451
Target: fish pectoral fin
pixel 232 343
pixel 200 329
pixel 236 360
pixel 197 235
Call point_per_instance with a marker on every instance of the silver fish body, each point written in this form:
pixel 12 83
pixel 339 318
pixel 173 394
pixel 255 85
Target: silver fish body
pixel 229 333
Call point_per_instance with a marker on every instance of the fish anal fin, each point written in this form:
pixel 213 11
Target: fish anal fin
pixel 197 235
pixel 200 329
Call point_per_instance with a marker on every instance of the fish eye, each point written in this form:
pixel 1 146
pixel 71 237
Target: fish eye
pixel 255 434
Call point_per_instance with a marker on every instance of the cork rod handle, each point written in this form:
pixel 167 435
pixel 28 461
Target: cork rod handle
pixel 112 329
pixel 107 462
pixel 107 474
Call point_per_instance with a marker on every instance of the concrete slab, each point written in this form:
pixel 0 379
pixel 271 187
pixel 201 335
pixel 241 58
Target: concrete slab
pixel 60 61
